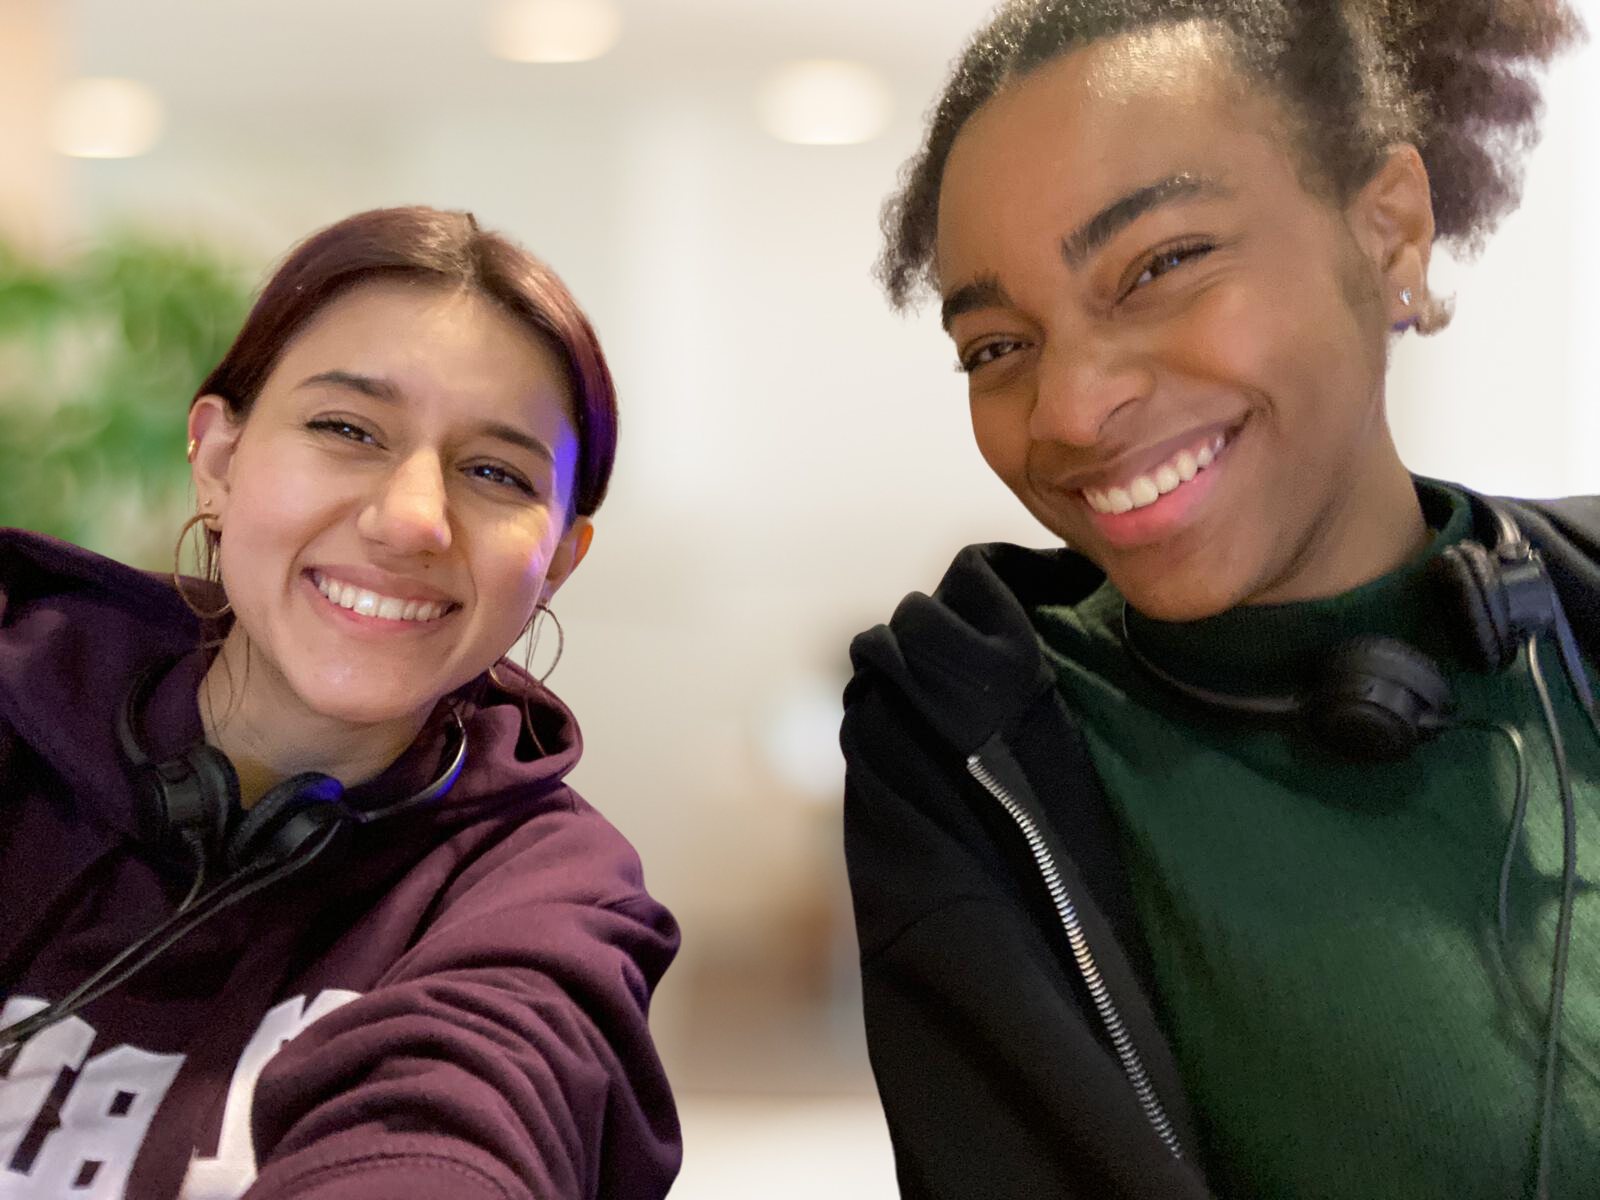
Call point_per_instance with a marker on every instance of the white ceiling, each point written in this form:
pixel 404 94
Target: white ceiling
pixel 411 51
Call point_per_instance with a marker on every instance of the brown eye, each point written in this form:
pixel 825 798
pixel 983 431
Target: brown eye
pixel 494 473
pixel 987 353
pixel 1168 260
pixel 341 428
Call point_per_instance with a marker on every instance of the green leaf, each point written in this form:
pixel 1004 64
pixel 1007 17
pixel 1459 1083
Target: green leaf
pixel 99 357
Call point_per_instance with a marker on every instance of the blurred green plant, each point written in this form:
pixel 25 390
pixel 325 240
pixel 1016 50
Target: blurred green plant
pixel 99 356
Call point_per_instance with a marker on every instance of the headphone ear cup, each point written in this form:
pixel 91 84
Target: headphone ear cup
pixel 1378 699
pixel 296 813
pixel 195 793
pixel 1469 577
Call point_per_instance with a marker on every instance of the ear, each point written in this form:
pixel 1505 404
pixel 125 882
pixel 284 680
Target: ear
pixel 1391 218
pixel 574 544
pixel 215 436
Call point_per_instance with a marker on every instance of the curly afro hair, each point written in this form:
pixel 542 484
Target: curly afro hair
pixel 1453 77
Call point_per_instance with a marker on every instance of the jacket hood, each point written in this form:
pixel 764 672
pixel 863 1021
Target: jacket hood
pixel 78 631
pixel 967 657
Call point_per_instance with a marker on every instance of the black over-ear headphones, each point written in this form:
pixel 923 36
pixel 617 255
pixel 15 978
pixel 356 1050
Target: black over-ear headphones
pixel 192 799
pixel 1377 698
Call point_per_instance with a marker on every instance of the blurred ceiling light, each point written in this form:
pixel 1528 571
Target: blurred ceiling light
pixel 106 118
pixel 825 102
pixel 554 31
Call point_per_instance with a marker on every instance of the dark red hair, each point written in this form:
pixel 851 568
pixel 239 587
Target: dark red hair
pixel 431 246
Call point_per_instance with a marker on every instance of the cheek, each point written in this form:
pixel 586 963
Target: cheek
pixel 278 505
pixel 1289 352
pixel 1239 335
pixel 1000 427
pixel 267 506
pixel 512 558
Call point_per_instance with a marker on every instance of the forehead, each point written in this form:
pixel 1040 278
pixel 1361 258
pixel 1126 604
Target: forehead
pixel 1059 143
pixel 453 349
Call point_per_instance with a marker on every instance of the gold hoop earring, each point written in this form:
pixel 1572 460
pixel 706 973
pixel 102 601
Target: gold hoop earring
pixel 533 629
pixel 177 577
pixel 537 625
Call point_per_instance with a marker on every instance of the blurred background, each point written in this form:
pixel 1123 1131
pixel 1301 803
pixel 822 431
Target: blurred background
pixel 706 175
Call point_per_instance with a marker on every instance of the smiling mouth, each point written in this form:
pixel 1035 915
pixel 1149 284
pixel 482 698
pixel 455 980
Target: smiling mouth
pixel 1145 489
pixel 366 603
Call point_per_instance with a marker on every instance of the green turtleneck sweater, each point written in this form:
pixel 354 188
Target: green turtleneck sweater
pixel 1323 933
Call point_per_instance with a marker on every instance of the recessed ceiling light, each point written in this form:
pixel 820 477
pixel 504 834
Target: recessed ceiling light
pixel 825 102
pixel 554 31
pixel 106 118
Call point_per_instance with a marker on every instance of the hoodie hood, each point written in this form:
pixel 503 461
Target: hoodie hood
pixel 965 657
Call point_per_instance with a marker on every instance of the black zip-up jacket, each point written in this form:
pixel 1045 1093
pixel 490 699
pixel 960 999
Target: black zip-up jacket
pixel 1009 1004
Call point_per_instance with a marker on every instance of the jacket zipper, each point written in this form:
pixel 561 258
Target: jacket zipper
pixel 1110 1018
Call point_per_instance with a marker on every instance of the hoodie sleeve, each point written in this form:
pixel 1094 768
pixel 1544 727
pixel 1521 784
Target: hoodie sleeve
pixel 505 1056
pixel 995 1081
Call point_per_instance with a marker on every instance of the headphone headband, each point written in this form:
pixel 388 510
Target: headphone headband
pixel 193 797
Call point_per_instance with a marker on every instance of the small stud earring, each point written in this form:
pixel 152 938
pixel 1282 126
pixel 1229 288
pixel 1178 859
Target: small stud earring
pixel 1405 297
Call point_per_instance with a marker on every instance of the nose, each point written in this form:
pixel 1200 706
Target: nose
pixel 1081 387
pixel 409 512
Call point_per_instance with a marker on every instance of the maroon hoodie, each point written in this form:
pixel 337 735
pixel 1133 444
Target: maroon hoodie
pixel 457 1009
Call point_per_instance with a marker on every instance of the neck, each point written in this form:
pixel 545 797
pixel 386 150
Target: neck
pixel 252 714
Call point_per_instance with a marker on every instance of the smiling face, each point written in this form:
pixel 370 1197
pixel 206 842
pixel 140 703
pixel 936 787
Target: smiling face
pixel 394 505
pixel 1175 351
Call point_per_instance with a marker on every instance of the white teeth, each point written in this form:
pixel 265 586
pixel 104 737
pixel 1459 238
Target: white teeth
pixel 1147 489
pixel 1144 491
pixel 371 604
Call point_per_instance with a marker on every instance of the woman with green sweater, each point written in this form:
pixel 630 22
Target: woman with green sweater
pixel 1234 848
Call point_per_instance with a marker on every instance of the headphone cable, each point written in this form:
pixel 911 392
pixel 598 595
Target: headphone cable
pixel 1569 887
pixel 194 912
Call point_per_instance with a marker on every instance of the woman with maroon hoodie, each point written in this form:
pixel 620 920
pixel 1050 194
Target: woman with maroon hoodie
pixel 296 901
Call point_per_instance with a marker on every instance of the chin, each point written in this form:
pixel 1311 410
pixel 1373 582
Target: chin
pixel 1187 599
pixel 367 702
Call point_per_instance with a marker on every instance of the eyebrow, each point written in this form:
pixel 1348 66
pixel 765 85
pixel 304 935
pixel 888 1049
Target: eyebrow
pixel 382 389
pixel 1111 220
pixel 1089 237
pixel 980 293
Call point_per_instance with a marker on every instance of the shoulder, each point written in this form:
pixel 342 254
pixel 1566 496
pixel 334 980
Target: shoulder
pixel 566 850
pixel 75 630
pixel 967 657
pixel 36 569
pixel 1569 526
